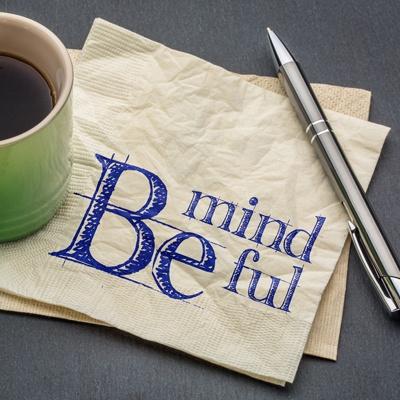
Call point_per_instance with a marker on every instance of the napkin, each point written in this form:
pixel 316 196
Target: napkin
pixel 180 168
pixel 324 335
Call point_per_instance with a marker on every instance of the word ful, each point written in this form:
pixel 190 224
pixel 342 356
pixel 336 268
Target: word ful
pixel 144 252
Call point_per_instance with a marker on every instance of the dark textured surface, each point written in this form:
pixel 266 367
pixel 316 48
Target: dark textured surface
pixel 350 43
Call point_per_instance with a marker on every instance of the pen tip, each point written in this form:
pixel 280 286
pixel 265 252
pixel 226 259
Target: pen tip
pixel 280 53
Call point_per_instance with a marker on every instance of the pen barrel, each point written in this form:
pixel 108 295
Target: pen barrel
pixel 374 244
pixel 355 202
pixel 301 94
pixel 379 252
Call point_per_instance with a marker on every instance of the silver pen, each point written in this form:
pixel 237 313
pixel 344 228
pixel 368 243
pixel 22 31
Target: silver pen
pixel 371 245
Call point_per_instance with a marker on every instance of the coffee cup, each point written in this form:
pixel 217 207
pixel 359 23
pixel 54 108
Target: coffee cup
pixel 36 163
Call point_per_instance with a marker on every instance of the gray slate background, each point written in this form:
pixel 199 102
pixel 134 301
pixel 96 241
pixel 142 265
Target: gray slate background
pixel 349 43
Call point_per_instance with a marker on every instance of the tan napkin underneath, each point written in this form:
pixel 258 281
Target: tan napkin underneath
pixel 324 336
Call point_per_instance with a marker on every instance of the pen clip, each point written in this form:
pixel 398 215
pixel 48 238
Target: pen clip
pixel 377 281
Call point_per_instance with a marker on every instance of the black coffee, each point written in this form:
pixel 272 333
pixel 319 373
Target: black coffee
pixel 25 96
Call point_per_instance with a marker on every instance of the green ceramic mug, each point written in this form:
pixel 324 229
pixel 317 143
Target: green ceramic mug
pixel 35 166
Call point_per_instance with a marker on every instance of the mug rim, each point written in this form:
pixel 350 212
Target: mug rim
pixel 69 77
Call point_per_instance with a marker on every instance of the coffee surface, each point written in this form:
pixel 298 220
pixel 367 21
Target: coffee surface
pixel 25 96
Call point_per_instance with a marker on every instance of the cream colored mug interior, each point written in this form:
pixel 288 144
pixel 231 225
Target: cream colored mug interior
pixel 31 41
